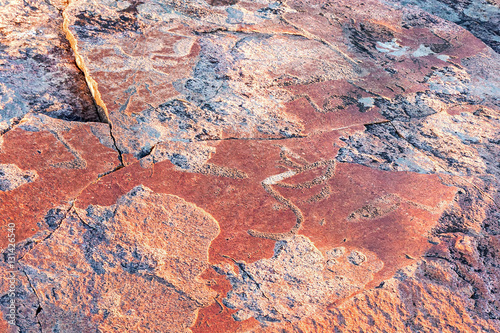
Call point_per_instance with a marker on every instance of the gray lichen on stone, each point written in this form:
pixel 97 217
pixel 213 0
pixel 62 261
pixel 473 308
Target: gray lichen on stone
pixel 297 281
pixel 124 254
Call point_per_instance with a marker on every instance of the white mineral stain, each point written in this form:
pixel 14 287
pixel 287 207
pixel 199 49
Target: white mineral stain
pixel 367 101
pixel 422 51
pixel 272 180
pixel 392 48
pixel 443 57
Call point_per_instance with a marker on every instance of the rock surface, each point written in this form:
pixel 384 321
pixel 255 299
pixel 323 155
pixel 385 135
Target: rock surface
pixel 121 257
pixel 297 281
pixel 39 73
pixel 250 166
pixel 12 177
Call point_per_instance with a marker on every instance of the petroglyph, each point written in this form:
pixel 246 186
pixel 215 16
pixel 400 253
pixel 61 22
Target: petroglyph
pixel 386 204
pixel 77 163
pixel 297 165
pixel 195 99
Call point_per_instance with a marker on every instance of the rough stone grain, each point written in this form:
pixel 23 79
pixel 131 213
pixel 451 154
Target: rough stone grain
pixel 38 73
pixel 118 269
pixel 11 177
pixel 250 166
pixel 45 164
pixel 297 282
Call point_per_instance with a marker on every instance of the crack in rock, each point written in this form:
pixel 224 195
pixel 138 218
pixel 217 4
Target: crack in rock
pixel 297 282
pixel 122 256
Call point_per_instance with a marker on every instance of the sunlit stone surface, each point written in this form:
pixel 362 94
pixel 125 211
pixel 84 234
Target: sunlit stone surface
pixel 250 166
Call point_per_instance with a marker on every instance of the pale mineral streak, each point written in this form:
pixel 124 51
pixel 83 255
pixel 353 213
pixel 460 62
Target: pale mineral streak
pixel 11 177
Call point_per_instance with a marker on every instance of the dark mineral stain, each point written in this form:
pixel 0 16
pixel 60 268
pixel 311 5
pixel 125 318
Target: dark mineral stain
pixel 54 217
pixel 89 25
pixel 222 2
pixel 132 8
pixel 365 36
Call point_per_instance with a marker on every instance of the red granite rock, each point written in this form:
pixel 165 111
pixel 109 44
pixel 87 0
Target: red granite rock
pixel 49 164
pixel 127 258
pixel 251 166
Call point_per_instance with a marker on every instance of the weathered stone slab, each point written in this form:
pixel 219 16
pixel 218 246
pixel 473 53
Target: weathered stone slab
pixel 102 262
pixel 38 71
pixel 255 166
pixel 46 163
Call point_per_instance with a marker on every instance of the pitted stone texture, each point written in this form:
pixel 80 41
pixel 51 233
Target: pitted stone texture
pixel 464 144
pixel 232 191
pixel 207 79
pixel 412 301
pixel 177 72
pixel 206 85
pixel 133 266
pixel 297 282
pixel 25 300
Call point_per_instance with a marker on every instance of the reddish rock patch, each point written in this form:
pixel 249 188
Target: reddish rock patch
pixel 64 162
